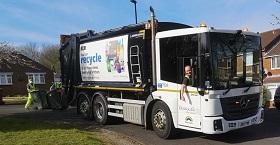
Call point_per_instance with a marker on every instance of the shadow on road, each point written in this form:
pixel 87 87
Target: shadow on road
pixel 60 117
pixel 267 130
pixel 68 116
pixel 270 128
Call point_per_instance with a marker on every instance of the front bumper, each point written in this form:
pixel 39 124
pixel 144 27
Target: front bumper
pixel 218 125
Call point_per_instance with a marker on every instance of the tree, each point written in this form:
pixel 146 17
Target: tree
pixel 30 50
pixel 9 55
pixel 6 51
pixel 49 57
pixel 276 18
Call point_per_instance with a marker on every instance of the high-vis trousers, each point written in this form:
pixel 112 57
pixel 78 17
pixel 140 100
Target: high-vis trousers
pixel 29 100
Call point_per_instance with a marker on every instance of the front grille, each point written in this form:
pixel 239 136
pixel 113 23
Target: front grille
pixel 240 107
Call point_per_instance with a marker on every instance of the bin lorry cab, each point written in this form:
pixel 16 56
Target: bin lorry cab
pixel 135 72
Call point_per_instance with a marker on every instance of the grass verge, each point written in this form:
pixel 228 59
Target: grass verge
pixel 18 131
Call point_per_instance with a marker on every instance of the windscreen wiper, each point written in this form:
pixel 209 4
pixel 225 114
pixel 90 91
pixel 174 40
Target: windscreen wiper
pixel 229 87
pixel 224 93
pixel 246 90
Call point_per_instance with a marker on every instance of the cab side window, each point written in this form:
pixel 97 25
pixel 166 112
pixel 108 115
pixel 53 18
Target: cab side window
pixel 168 59
pixel 173 54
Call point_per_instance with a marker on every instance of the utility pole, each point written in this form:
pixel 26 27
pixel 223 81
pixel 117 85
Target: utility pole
pixel 135 10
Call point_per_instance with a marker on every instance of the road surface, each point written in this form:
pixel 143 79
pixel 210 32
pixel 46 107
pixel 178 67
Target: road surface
pixel 267 133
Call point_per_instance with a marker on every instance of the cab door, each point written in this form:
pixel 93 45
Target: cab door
pixel 189 110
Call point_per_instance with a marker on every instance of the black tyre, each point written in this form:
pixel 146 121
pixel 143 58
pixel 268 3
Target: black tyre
pixel 162 120
pixel 99 109
pixel 277 105
pixel 84 106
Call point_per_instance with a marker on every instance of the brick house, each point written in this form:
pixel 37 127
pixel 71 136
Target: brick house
pixel 271 60
pixel 15 72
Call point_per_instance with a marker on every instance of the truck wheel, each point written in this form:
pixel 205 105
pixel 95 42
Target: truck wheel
pixel 277 105
pixel 162 120
pixel 100 112
pixel 84 106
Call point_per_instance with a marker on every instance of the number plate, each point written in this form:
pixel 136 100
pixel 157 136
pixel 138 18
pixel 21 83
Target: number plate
pixel 248 122
pixel 244 123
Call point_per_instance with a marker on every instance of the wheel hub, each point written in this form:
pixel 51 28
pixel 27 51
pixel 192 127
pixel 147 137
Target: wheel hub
pixel 84 107
pixel 99 110
pixel 160 119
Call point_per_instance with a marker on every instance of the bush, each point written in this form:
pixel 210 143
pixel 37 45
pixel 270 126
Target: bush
pixel 266 95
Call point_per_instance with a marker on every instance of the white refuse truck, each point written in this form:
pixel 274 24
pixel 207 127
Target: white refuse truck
pixel 135 72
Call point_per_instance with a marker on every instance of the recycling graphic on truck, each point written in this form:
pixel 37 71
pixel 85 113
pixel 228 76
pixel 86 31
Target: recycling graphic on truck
pixel 109 52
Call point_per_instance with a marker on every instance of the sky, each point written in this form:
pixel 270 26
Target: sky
pixel 42 21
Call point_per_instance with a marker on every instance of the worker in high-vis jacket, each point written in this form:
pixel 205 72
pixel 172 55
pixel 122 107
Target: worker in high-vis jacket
pixel 54 96
pixel 30 88
pixel 56 85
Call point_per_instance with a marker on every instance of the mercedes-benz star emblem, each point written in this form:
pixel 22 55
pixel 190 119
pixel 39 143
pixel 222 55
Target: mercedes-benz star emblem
pixel 244 102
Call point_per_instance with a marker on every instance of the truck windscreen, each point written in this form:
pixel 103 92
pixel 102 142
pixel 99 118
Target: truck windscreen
pixel 235 60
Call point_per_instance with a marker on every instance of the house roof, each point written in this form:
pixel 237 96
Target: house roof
pixel 271 42
pixel 274 51
pixel 16 60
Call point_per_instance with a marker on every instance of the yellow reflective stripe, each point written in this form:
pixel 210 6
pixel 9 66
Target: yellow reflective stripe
pixel 133 89
pixel 142 32
pixel 110 88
